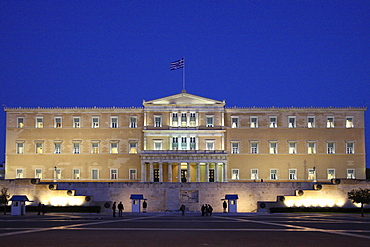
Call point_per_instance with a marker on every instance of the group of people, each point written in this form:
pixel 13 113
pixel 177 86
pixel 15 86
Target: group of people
pixel 120 209
pixel 206 209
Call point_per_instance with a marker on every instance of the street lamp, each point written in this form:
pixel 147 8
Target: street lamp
pixel 314 174
pixel 55 173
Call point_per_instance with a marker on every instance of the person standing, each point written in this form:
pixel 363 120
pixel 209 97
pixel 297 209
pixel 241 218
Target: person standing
pixel 145 205
pixel 210 209
pixel 182 209
pixel 114 209
pixel 203 209
pixel 120 209
pixel 224 206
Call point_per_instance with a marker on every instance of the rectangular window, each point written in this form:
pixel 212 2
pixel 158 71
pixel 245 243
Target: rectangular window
pixel 114 147
pixel 292 122
pixel 20 122
pixel 175 120
pixel 133 174
pixel 292 148
pixel 349 122
pixel 292 174
pixel 273 122
pixel 350 148
pixel 273 174
pixel 235 174
pixel 57 148
pixel 311 148
pixel 58 173
pixel 310 122
pixel 235 147
pixel 210 122
pixel 39 122
pixel 76 147
pixel 76 174
pixel 158 145
pixel 210 145
pixel 254 174
pixel 193 119
pixel 184 145
pixel 19 173
pixel 330 122
pixel 254 122
pixel 254 148
pixel 114 122
pixel 38 173
pixel 330 148
pixel 133 122
pixel 157 121
pixel 57 122
pixel 311 174
pixel 113 174
pixel 184 120
pixel 193 145
pixel 76 122
pixel 95 174
pixel 273 147
pixel 20 148
pixel 39 147
pixel 234 122
pixel 351 174
pixel 95 122
pixel 133 147
pixel 331 173
pixel 175 143
pixel 95 147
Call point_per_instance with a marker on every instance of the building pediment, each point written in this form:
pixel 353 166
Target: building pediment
pixel 183 98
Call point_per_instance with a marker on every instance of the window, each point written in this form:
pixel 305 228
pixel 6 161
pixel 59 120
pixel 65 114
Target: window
pixel 175 120
pixel 273 174
pixel 76 174
pixel 331 173
pixel 235 147
pixel 193 119
pixel 330 122
pixel 193 145
pixel 311 148
pixel 351 174
pixel 310 122
pixel 235 174
pixel 133 147
pixel 158 145
pixel 39 147
pixel 38 173
pixel 210 145
pixel 95 147
pixel 133 122
pixel 76 147
pixel 95 122
pixel 254 122
pixel 273 147
pixel 113 174
pixel 39 122
pixel 350 148
pixel 20 122
pixel 175 143
pixel 76 122
pixel 234 122
pixel 157 121
pixel 58 173
pixel 114 147
pixel 95 174
pixel 184 145
pixel 254 174
pixel 292 122
pixel 114 122
pixel 349 122
pixel 210 122
pixel 330 148
pixel 292 148
pixel 133 174
pixel 20 148
pixel 57 148
pixel 183 120
pixel 254 147
pixel 19 173
pixel 273 122
pixel 292 174
pixel 58 122
pixel 311 174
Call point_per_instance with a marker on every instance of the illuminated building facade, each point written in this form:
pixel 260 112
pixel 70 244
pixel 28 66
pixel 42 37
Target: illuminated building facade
pixel 185 138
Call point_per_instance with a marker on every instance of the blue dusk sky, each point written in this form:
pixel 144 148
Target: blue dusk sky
pixel 249 53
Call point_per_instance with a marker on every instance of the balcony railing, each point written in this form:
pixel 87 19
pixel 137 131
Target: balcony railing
pixel 184 152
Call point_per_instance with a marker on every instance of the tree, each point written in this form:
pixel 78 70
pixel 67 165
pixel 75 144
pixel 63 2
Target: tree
pixel 360 196
pixel 4 197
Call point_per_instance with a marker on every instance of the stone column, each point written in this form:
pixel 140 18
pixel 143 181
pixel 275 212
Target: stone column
pixel 143 172
pixel 216 172
pixel 198 172
pixel 151 172
pixel 160 172
pixel 169 172
pixel 207 172
pixel 225 171
pixel 189 177
pixel 179 172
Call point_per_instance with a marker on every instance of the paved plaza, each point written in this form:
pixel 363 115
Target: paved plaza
pixel 172 229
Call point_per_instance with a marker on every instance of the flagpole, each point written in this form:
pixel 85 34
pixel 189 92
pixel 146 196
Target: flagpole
pixel 183 77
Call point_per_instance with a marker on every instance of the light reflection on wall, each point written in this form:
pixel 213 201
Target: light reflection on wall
pixel 292 201
pixel 65 200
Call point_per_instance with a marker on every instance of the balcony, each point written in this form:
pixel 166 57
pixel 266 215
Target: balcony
pixel 184 152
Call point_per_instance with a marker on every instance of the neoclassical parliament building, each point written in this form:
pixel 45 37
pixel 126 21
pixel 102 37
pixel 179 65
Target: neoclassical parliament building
pixel 185 138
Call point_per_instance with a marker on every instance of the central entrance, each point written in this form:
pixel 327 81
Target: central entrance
pixel 184 176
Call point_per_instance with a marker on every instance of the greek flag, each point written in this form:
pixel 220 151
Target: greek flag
pixel 177 64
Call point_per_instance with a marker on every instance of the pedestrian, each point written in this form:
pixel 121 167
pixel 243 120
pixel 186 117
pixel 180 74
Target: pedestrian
pixel 224 206
pixel 206 209
pixel 182 209
pixel 120 209
pixel 43 209
pixel 203 209
pixel 39 208
pixel 114 209
pixel 145 205
pixel 210 210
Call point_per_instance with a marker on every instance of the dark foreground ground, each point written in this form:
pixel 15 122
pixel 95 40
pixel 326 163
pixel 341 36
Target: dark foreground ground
pixel 172 229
